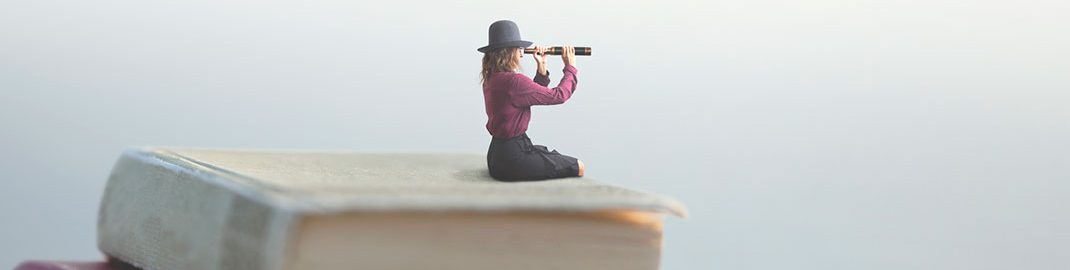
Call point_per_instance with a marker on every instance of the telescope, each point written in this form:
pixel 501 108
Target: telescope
pixel 585 51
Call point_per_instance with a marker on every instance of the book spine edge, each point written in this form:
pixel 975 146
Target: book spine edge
pixel 157 213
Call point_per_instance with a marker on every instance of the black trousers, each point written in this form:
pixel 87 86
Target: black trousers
pixel 516 159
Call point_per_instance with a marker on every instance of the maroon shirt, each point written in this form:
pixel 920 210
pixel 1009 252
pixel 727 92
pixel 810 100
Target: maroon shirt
pixel 510 95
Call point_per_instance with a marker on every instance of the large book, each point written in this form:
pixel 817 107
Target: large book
pixel 171 208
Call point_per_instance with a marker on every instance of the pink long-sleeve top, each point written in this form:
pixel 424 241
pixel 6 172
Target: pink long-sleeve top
pixel 509 96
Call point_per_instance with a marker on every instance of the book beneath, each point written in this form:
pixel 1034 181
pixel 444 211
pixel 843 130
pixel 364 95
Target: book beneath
pixel 172 208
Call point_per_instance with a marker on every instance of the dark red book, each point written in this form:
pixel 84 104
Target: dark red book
pixel 66 265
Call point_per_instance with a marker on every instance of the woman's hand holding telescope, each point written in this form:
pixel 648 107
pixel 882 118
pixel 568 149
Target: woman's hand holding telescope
pixel 568 55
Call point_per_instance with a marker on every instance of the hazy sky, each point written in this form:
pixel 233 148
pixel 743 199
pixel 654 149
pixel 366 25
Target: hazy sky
pixel 823 134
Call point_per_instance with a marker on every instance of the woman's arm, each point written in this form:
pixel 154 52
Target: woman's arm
pixel 542 76
pixel 527 92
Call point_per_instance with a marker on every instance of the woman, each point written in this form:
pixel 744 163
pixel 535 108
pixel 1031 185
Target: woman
pixel 508 97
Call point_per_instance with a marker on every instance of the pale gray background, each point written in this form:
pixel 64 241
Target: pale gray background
pixel 828 134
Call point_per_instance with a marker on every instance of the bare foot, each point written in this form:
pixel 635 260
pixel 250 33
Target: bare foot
pixel 581 167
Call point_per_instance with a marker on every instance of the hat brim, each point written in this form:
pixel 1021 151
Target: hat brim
pixel 515 43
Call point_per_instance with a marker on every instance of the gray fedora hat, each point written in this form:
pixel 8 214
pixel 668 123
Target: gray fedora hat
pixel 504 34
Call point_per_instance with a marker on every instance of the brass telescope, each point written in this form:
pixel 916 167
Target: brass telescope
pixel 585 51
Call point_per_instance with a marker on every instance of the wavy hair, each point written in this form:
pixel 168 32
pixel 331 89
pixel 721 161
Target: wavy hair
pixel 499 60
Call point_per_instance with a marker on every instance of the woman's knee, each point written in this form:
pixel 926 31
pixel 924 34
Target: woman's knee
pixel 580 162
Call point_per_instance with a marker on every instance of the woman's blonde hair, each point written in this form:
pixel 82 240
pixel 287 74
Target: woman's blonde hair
pixel 499 60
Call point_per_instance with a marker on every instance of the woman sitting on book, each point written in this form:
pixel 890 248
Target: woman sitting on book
pixel 508 97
